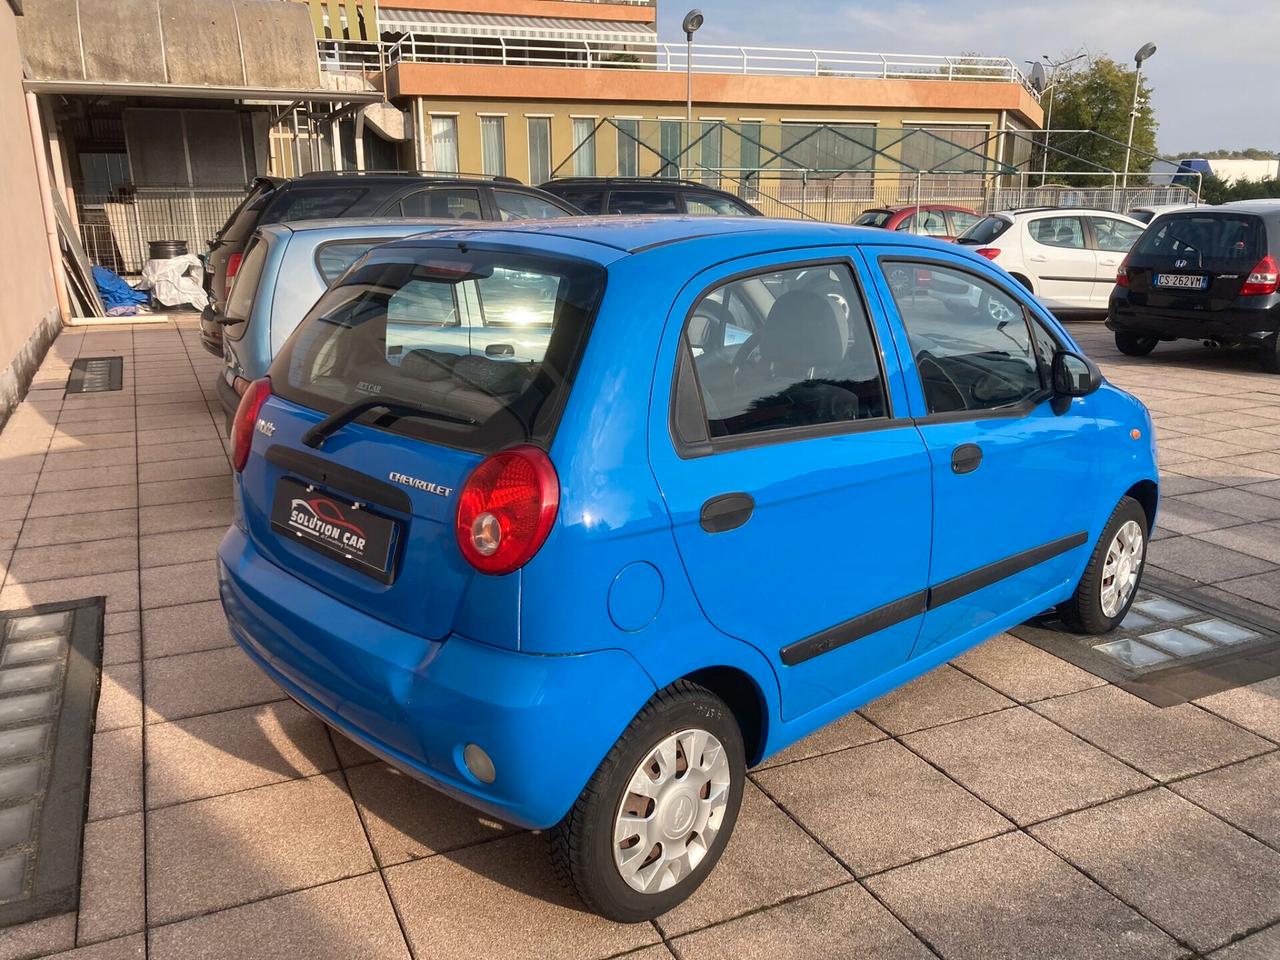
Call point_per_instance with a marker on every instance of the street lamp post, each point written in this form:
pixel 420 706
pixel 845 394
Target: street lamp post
pixel 693 21
pixel 1144 53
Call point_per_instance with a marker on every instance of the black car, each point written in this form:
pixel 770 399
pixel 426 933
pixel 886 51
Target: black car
pixel 328 195
pixel 1207 274
pixel 648 195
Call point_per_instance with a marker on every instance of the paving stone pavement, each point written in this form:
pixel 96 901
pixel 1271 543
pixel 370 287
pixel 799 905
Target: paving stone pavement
pixel 1008 805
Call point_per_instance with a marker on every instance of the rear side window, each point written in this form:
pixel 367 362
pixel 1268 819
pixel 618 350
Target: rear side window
pixel 311 203
pixel 1200 236
pixel 333 259
pixel 926 223
pixel 802 354
pixel 642 201
pixel 1114 236
pixel 526 206
pixel 708 205
pixel 985 230
pixel 447 204
pixel 972 347
pixel 243 290
pixel 1058 232
pixel 484 343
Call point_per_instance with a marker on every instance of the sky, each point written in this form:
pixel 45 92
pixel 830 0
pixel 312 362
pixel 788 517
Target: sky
pixel 1214 76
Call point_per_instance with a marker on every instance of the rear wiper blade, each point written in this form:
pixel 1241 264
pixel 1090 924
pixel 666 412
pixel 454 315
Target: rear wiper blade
pixel 317 435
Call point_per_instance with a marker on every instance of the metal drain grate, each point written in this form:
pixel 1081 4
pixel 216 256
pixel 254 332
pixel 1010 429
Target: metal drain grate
pixel 96 375
pixel 49 662
pixel 1174 646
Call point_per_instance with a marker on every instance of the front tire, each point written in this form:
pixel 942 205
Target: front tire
pixel 1135 345
pixel 654 819
pixel 1271 354
pixel 1110 582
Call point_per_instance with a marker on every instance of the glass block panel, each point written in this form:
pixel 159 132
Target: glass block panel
pixel 23 742
pixel 42 625
pixel 13 876
pixel 31 677
pixel 20 780
pixel 1131 653
pixel 1135 621
pixel 1161 609
pixel 1178 643
pixel 1220 631
pixel 15 824
pixel 26 651
pixel 31 706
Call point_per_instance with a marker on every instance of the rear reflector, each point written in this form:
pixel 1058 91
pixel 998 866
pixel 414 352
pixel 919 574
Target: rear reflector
pixel 246 419
pixel 1263 279
pixel 989 252
pixel 506 509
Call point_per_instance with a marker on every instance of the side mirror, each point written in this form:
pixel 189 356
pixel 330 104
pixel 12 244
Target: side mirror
pixel 1074 375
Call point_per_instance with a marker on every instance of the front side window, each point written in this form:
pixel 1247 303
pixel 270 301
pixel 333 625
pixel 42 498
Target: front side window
pixel 792 348
pixel 1114 236
pixel 586 199
pixel 446 203
pixel 482 344
pixel 972 347
pixel 525 206
pixel 1058 232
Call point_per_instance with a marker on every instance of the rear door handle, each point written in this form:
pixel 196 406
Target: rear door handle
pixel 726 512
pixel 966 458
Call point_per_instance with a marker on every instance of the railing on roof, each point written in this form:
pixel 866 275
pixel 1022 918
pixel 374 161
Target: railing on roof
pixel 639 54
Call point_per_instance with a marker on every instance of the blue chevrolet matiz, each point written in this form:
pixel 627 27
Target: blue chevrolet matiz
pixel 576 521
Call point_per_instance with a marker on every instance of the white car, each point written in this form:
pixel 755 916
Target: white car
pixel 1067 257
pixel 1147 214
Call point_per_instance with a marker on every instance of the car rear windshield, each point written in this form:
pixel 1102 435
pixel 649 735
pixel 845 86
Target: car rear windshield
pixel 244 220
pixel 1204 236
pixel 311 203
pixel 244 288
pixel 873 218
pixel 984 231
pixel 482 345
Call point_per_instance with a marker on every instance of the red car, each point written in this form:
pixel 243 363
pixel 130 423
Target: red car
pixel 941 220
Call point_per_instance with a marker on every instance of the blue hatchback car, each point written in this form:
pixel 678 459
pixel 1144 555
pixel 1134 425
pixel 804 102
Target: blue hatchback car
pixel 698 488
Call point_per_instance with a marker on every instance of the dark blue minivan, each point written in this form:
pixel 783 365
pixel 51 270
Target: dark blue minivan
pixel 577 520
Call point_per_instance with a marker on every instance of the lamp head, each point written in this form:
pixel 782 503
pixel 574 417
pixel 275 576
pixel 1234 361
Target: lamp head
pixel 693 21
pixel 1146 52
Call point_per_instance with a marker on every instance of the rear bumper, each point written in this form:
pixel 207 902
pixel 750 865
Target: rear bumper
pixel 1234 325
pixel 211 330
pixel 546 722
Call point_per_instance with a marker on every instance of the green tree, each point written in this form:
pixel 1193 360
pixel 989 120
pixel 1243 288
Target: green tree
pixel 1097 99
pixel 1214 190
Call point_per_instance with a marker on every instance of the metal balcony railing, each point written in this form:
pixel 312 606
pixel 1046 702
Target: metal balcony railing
pixel 644 55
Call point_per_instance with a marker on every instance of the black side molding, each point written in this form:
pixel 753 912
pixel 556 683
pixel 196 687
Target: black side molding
pixel 974 580
pixel 881 618
pixel 861 626
pixel 357 485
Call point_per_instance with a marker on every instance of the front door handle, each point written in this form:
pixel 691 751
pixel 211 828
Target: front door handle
pixel 966 458
pixel 726 512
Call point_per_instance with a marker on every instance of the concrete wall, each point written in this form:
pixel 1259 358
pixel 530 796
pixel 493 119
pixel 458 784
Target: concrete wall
pixel 28 307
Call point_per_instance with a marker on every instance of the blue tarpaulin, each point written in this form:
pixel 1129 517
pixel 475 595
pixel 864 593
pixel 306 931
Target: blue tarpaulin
pixel 114 291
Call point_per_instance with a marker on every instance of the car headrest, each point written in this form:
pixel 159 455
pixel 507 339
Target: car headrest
pixel 802 334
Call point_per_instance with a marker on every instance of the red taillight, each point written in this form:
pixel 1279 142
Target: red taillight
pixel 1122 273
pixel 233 265
pixel 989 252
pixel 1263 279
pixel 246 419
pixel 506 509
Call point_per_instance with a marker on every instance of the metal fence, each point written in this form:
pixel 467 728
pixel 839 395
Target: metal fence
pixel 116 227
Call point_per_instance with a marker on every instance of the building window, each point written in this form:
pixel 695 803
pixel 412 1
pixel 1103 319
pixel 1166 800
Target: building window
pixel 584 147
pixel 669 147
pixel 493 146
pixel 710 152
pixel 628 147
pixel 539 150
pixel 444 144
pixel 962 150
pixel 750 134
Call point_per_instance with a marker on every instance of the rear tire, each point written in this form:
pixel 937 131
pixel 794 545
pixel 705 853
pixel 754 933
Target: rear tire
pixel 1110 582
pixel 1135 345
pixel 670 791
pixel 1271 354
